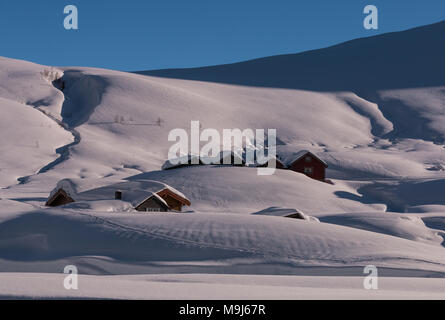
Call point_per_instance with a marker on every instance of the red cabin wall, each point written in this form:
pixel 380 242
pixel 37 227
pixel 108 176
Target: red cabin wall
pixel 318 168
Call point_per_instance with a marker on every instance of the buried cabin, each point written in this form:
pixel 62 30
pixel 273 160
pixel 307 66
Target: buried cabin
pixel 307 163
pixel 141 195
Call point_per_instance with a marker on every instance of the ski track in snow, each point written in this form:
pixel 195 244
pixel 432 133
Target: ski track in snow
pixel 323 253
pixel 381 135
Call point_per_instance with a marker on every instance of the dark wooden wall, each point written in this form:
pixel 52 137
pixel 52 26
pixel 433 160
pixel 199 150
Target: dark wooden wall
pixel 318 167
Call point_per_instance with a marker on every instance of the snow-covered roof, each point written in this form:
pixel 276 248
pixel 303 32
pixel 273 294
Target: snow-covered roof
pixel 279 212
pixel 177 162
pixel 187 159
pixel 67 185
pixel 134 192
pixel 154 195
pixel 289 159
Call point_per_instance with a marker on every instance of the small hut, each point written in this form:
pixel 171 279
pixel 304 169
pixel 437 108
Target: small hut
pixel 175 200
pixel 307 163
pixel 153 203
pixel 59 198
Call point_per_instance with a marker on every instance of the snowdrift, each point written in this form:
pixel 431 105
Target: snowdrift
pixel 157 243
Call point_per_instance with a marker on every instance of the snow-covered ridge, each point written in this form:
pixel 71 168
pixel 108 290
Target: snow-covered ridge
pixel 397 60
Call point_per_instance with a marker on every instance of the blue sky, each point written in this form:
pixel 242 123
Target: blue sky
pixel 146 34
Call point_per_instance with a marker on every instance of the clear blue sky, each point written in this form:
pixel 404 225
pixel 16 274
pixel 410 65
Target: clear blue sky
pixel 147 34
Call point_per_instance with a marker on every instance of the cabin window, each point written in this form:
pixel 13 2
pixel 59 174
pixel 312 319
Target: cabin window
pixel 152 209
pixel 308 170
pixel 308 159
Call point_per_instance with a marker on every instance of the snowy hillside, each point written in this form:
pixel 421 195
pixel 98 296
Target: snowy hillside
pixel 372 108
pixel 402 72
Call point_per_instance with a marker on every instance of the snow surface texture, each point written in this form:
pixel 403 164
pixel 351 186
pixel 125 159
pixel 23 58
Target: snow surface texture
pixel 221 287
pixel 381 132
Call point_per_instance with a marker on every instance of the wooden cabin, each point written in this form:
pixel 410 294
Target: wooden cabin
pixel 174 200
pixel 59 198
pixel 309 164
pixel 154 203
pixel 228 158
pixel 142 195
pixel 162 200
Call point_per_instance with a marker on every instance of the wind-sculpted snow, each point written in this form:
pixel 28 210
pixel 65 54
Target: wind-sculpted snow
pixel 232 242
pixel 401 225
pixel 28 140
pixel 83 93
pixel 216 286
pixel 401 196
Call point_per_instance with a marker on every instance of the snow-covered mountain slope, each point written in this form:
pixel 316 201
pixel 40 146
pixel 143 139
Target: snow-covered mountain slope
pixel 380 104
pixel 402 72
pixel 398 60
pixel 114 118
pixel 125 123
pixel 28 137
pixel 27 141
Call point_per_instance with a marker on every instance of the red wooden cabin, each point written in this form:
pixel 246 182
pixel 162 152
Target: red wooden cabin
pixel 309 164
